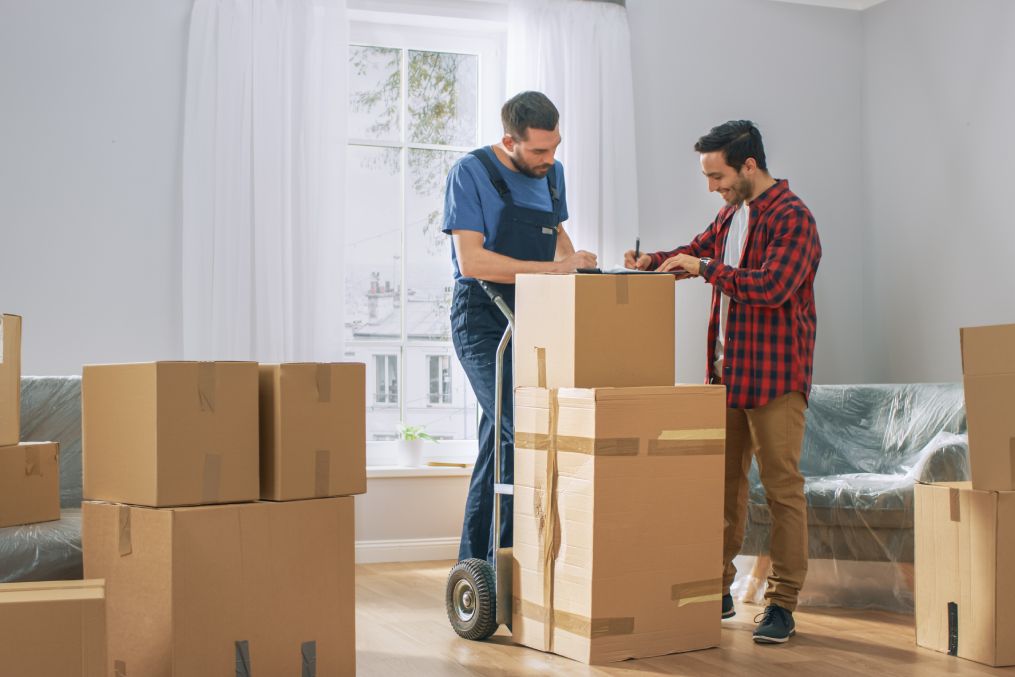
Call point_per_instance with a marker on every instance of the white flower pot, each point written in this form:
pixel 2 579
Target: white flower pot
pixel 410 453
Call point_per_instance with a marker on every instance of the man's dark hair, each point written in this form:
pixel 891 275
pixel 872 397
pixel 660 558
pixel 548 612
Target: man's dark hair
pixel 528 110
pixel 738 140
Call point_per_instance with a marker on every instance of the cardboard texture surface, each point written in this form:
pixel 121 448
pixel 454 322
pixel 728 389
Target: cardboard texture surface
pixel 566 324
pixel 29 483
pixel 965 572
pixel 53 629
pixel 313 430
pixel 193 592
pixel 988 368
pixel 10 380
pixel 170 433
pixel 621 557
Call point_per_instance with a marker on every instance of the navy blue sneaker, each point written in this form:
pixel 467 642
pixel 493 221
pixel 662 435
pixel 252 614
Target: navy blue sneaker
pixel 727 606
pixel 776 625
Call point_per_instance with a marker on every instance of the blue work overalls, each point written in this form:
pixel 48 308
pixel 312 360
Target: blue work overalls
pixel 476 328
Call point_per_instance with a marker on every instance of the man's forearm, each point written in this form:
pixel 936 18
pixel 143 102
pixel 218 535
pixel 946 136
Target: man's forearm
pixel 564 245
pixel 493 267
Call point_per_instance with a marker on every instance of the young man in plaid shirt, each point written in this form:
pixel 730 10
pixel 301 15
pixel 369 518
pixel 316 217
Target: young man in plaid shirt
pixel 760 255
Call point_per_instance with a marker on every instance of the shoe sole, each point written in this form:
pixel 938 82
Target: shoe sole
pixel 761 639
pixel 729 614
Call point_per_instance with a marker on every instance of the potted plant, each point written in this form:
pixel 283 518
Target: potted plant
pixel 410 444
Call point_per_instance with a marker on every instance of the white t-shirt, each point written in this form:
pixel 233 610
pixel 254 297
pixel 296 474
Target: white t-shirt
pixel 735 238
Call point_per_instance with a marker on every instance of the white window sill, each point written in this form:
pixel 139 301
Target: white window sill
pixel 388 471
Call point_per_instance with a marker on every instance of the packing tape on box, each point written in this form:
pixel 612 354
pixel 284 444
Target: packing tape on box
pixel 211 478
pixel 606 446
pixel 124 543
pixel 548 541
pixel 693 592
pixel 323 382
pixel 308 656
pixel 954 511
pixel 583 626
pixel 322 473
pixel 32 465
pixel 541 367
pixel 119 669
pixel 621 289
pixel 692 442
pixel 206 386
pixel 242 648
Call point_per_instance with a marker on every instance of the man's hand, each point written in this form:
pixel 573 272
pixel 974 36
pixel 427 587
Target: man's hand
pixel 681 263
pixel 643 262
pixel 580 259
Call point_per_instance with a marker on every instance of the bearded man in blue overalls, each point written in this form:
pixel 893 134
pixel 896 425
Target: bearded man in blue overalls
pixel 504 208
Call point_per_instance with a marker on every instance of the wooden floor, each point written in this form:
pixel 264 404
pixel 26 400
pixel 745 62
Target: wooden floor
pixel 402 629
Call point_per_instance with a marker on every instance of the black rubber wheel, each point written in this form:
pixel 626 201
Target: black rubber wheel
pixel 471 599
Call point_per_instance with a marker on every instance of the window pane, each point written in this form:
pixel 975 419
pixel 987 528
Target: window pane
pixel 375 93
pixel 373 237
pixel 443 98
pixel 435 385
pixel 453 414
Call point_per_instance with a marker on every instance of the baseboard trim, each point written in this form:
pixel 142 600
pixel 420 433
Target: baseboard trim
pixel 406 550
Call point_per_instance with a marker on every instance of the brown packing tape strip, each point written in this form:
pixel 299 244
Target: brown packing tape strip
pixel 541 367
pixel 124 542
pixel 32 465
pixel 686 448
pixel 550 511
pixel 610 446
pixel 322 473
pixel 953 505
pixel 206 386
pixel 211 478
pixel 323 383
pixel 1011 456
pixel 119 669
pixel 692 592
pixel 583 626
pixel 621 289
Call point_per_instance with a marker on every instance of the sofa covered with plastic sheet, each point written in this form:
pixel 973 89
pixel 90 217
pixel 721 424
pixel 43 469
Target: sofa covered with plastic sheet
pixel 865 447
pixel 50 411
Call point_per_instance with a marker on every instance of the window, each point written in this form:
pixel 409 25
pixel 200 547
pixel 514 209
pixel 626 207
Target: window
pixel 418 100
pixel 386 370
pixel 440 379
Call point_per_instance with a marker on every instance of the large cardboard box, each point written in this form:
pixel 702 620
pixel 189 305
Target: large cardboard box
pixel 53 629
pixel 29 483
pixel 170 433
pixel 590 331
pixel 204 591
pixel 10 379
pixel 965 571
pixel 618 520
pixel 988 368
pixel 313 430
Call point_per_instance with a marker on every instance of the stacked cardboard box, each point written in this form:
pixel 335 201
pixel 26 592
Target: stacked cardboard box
pixel 618 475
pixel 201 578
pixel 29 472
pixel 53 629
pixel 965 561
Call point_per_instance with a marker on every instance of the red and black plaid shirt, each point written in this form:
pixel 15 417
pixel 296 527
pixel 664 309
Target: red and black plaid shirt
pixel 769 346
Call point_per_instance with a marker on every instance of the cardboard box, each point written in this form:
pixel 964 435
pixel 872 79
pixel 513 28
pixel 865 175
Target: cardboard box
pixel 988 368
pixel 591 331
pixel 53 629
pixel 10 380
pixel 199 591
pixel 634 522
pixel 29 483
pixel 170 433
pixel 313 430
pixel 965 571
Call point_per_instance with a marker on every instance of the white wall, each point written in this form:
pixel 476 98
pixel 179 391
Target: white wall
pixel 939 107
pixel 794 70
pixel 90 130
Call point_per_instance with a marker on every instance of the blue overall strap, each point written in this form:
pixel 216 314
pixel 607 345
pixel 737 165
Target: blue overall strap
pixel 551 180
pixel 495 178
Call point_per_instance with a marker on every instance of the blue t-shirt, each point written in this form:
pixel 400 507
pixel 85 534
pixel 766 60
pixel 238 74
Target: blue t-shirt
pixel 472 203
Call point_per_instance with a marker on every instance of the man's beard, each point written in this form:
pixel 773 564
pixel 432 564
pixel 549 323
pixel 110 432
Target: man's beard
pixel 531 172
pixel 741 190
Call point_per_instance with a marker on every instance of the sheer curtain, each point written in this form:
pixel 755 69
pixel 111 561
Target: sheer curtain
pixel 578 53
pixel 264 180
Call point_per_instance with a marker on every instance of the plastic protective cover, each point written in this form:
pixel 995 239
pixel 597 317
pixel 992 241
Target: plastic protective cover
pixel 865 447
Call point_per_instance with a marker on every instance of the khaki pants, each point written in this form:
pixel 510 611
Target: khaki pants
pixel 774 433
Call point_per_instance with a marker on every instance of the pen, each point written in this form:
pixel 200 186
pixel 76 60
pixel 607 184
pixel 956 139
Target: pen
pixel 637 250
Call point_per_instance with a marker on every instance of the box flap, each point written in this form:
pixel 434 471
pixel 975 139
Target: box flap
pixel 988 350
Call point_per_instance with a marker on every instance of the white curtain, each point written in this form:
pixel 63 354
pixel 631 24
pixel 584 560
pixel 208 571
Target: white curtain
pixel 578 53
pixel 264 180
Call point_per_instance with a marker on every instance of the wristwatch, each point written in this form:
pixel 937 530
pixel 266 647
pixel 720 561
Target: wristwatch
pixel 702 264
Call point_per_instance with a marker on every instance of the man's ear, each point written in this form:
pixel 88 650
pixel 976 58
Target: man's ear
pixel 508 142
pixel 750 166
